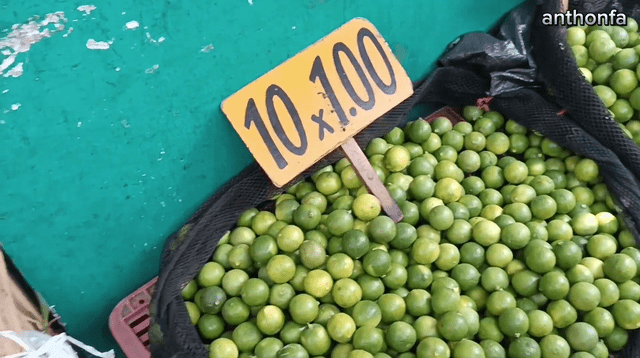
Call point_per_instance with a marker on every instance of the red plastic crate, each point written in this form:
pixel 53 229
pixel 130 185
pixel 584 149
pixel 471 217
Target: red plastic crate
pixel 129 322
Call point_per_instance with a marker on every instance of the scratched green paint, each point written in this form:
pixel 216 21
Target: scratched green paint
pixel 99 165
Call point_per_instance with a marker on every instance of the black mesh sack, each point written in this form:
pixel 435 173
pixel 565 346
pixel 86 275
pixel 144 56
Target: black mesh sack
pixel 171 333
pixel 528 73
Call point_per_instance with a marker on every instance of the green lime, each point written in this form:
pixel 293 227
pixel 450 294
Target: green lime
pixel 346 292
pixel 366 313
pixel 525 282
pixel 627 314
pixel 602 49
pixel 339 222
pixel 328 183
pixel 307 216
pixel 581 54
pixel 432 144
pixel 607 223
pixel 210 327
pixel 441 125
pixel 292 350
pixel 580 273
pixel 381 229
pixel 602 73
pixel 366 207
pixel 235 311
pixel 400 336
pixel 516 172
pixel 246 336
pixel 554 285
pixel 392 306
pixel 486 233
pixel 318 283
pixel 397 158
pixel 515 236
pixel 472 253
pixel 449 257
pixel 524 347
pixel 268 347
pixel 489 329
pixel 513 322
pixel 210 299
pixel 440 217
pixel 341 327
pixel 193 311
pixel 617 339
pixel 340 266
pixel 562 313
pixel 468 349
pixel 522 193
pixel 581 336
pixel 540 323
pixel 554 346
pixel 559 230
pixel 189 290
pixel 210 275
pixel 568 254
pixel 315 339
pixel 303 308
pixel 452 326
pixel 376 263
pixel 466 275
pixel 372 287
pixel 492 176
pixel 445 299
pixel 623 81
pixel 312 254
pixel 543 207
pixel 425 326
pixel 586 170
pixel 433 347
pixel 584 296
pixel 494 278
pixel 291 332
pixel 498 301
pixel 255 292
pixel 368 338
pixel 519 211
pixel 602 320
pixel 601 246
pixel 493 349
pixel 622 110
pixel 396 277
pixel 281 268
pixel 620 36
pixel 223 348
pixel 620 268
pixel 325 312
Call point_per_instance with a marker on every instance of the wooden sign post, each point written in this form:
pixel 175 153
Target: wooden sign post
pixel 316 101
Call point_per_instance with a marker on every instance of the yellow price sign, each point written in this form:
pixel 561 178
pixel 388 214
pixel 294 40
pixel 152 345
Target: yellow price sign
pixel 297 113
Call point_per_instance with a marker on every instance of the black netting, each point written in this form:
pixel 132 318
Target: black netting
pixel 172 334
pixel 527 69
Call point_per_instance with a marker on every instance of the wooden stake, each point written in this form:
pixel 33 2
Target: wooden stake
pixel 370 179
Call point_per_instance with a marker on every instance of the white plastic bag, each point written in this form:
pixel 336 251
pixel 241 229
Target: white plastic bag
pixel 41 345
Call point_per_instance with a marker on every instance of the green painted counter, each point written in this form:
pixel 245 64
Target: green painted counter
pixel 106 152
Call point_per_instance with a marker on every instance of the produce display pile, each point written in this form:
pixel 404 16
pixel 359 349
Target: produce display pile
pixel 510 247
pixel 609 59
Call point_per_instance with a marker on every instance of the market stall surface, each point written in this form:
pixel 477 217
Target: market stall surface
pixel 112 133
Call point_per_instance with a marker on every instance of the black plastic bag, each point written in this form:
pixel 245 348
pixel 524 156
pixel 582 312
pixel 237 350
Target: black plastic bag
pixel 507 64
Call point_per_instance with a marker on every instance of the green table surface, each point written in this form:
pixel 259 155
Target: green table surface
pixel 106 152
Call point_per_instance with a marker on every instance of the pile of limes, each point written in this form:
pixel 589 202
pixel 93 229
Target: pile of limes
pixel 609 59
pixel 508 248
